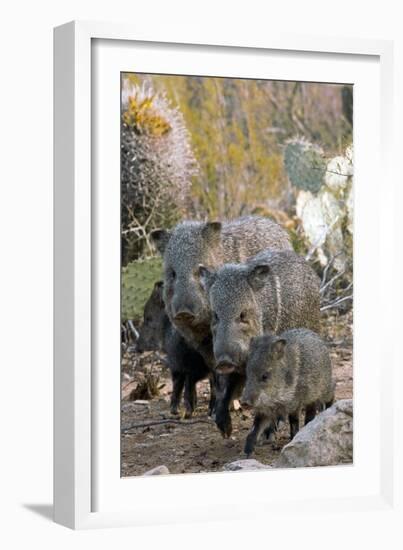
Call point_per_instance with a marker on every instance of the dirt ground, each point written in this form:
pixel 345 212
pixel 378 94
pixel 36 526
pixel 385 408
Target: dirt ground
pixel 199 447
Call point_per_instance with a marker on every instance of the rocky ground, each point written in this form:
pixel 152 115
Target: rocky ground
pixel 198 446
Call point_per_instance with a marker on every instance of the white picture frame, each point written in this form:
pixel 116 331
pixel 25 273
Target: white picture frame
pixel 88 491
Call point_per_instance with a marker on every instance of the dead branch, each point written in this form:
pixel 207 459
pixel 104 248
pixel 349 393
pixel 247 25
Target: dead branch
pixel 336 303
pixel 133 330
pixel 126 429
pixel 321 239
pixel 127 384
pixel 332 280
pixel 324 274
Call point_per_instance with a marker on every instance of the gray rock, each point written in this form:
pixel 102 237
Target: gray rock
pixel 249 464
pixel 157 471
pixel 325 441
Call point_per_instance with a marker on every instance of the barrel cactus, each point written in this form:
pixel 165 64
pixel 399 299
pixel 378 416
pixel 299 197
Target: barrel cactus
pixel 305 165
pixel 157 166
pixel 138 280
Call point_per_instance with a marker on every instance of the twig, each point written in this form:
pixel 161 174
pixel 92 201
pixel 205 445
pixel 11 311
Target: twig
pixel 161 359
pixel 127 384
pixel 166 421
pixel 320 240
pixel 332 172
pixel 324 274
pixel 133 330
pixel 340 343
pixel 336 303
pixel 332 280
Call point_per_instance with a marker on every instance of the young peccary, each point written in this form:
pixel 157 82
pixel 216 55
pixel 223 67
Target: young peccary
pixel 283 375
pixel 186 365
pixel 272 292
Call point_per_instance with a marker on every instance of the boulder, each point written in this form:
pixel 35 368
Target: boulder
pixel 247 464
pixel 325 441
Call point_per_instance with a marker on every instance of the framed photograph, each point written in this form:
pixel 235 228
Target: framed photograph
pixel 221 220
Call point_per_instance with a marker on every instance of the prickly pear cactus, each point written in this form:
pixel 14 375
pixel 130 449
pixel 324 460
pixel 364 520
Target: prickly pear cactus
pixel 305 165
pixel 138 280
pixel 327 216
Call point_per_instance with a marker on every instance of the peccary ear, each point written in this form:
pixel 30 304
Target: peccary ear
pixel 160 238
pixel 211 231
pixel 158 289
pixel 277 348
pixel 258 275
pixel 206 277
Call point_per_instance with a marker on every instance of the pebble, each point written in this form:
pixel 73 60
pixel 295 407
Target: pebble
pixel 157 471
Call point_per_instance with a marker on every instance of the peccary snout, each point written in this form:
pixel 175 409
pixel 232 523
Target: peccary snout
pixel 248 398
pixel 229 355
pixel 225 364
pixel 183 311
pixel 246 404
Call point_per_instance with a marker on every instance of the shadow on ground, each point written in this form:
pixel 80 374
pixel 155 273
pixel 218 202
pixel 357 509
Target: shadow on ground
pixel 44 510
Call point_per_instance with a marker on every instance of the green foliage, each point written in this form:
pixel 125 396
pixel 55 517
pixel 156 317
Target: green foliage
pixel 305 165
pixel 138 280
pixel 298 241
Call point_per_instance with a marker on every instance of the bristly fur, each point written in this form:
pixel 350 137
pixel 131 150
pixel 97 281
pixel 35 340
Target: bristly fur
pixel 186 365
pixel 273 292
pixel 282 384
pixel 191 244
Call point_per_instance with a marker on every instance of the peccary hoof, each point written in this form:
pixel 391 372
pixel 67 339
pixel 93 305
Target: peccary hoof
pixel 249 446
pixel 174 411
pixel 225 426
pixel 188 414
pixel 211 409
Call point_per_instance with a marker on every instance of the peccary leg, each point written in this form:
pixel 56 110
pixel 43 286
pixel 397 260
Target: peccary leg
pixel 329 403
pixel 178 381
pixel 269 433
pixel 190 396
pixel 294 424
pixel 310 412
pixel 212 402
pixel 232 383
pixel 259 425
pixel 330 397
pixel 271 430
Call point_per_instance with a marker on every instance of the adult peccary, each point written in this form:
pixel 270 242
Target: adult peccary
pixel 271 292
pixel 211 244
pixel 283 375
pixel 186 365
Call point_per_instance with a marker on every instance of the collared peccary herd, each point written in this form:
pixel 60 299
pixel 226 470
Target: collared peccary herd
pixel 239 306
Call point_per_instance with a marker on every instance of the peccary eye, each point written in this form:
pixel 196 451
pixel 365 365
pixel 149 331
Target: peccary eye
pixel 265 377
pixel 243 317
pixel 215 317
pixel 173 274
